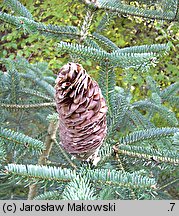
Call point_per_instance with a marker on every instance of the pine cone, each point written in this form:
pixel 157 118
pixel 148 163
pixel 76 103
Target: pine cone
pixel 82 112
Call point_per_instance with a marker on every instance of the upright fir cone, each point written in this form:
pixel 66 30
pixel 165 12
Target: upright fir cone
pixel 82 112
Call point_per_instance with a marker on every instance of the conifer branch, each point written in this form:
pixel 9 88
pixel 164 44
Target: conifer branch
pixel 33 145
pixel 79 188
pixel 2 152
pixel 65 155
pixel 91 43
pixel 120 108
pixel 120 179
pixel 52 129
pixel 105 152
pixel 168 184
pixel 153 85
pixel 149 154
pixel 86 25
pixel 31 26
pixel 107 84
pixel 116 58
pixel 170 90
pixel 35 93
pixel 122 8
pixel 104 22
pixel 40 174
pixel 123 169
pixel 148 134
pixel 144 122
pixel 40 82
pixel 104 41
pixel 36 173
pixel 27 106
pixel 83 51
pixel 18 8
pixel 154 48
pixel 176 139
pixel 166 113
pixel 49 140
pixel 173 100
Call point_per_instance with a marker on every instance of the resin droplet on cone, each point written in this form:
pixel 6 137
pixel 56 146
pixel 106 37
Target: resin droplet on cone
pixel 82 112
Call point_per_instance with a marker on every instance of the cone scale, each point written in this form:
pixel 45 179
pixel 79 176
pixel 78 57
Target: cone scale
pixel 82 112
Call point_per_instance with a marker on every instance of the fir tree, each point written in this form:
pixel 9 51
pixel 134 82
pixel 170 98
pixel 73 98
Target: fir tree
pixel 138 160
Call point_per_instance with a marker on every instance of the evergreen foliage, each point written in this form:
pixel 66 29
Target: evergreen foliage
pixel 18 8
pixel 139 158
pixel 79 189
pixel 19 138
pixel 168 11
